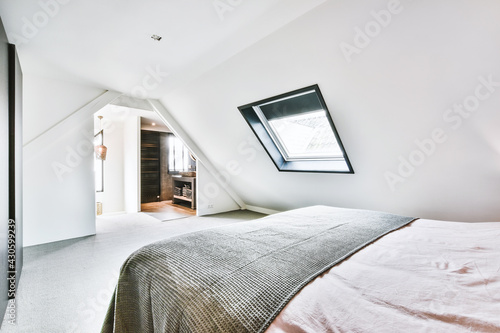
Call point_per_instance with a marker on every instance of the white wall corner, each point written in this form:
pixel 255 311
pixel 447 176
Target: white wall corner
pixel 211 197
pixel 262 210
pixel 211 170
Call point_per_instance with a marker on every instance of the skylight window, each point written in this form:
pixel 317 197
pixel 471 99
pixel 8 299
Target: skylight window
pixel 297 132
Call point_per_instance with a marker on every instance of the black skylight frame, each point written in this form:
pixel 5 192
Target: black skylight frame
pixel 296 165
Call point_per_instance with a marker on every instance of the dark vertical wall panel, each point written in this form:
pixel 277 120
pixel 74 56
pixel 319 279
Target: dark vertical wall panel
pixel 11 170
pixel 4 165
pixel 16 152
pixel 150 166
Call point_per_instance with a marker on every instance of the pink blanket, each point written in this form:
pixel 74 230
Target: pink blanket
pixel 431 276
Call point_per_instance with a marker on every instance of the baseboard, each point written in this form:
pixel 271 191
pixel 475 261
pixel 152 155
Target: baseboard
pixel 262 210
pixel 71 238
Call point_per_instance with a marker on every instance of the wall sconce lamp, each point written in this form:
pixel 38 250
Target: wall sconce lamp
pixel 100 149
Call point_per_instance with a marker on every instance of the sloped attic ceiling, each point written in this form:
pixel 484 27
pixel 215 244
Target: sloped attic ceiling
pixel 394 74
pixel 108 44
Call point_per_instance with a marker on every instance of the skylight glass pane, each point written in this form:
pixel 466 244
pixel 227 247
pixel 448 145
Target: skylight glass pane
pixel 307 135
pixel 297 132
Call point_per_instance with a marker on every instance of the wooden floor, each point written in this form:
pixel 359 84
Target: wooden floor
pixel 165 210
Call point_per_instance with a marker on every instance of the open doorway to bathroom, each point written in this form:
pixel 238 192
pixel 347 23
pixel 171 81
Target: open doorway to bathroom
pixel 168 174
pixel 143 161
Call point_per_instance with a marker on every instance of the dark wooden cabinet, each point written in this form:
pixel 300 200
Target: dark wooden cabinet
pixel 150 166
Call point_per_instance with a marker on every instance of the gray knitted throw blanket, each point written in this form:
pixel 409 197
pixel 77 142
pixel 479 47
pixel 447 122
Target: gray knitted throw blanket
pixel 237 278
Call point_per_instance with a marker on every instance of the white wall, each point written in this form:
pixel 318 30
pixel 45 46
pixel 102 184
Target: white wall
pixel 211 196
pixel 209 202
pixel 396 90
pixel 49 101
pixel 132 167
pixel 59 188
pixel 59 197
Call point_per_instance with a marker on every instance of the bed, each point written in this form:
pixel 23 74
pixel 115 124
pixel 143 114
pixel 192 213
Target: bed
pixel 315 269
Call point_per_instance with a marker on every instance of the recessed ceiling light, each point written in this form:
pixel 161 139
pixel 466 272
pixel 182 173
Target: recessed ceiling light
pixel 156 37
pixel 154 124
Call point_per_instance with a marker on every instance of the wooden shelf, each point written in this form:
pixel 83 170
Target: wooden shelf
pixel 183 198
pixel 180 182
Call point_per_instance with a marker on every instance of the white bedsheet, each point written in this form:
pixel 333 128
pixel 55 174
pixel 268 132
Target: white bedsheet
pixel 431 276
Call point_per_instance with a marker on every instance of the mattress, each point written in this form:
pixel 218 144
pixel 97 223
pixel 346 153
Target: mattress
pixel 430 276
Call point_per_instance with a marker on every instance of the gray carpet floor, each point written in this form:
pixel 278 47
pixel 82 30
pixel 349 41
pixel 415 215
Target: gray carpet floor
pixel 66 286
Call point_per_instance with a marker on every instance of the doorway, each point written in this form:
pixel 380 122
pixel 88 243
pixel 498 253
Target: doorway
pixel 136 169
pixel 165 161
